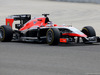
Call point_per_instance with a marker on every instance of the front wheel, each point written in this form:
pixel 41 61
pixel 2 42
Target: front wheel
pixel 6 33
pixel 89 31
pixel 53 36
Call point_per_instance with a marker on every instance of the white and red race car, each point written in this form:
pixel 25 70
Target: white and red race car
pixel 41 29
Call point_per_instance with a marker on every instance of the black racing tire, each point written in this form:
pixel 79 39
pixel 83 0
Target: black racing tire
pixel 6 33
pixel 89 31
pixel 98 39
pixel 53 36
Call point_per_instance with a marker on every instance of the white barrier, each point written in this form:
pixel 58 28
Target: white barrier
pixel 83 1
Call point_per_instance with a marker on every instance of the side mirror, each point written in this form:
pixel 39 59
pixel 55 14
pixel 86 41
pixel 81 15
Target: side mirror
pixel 18 26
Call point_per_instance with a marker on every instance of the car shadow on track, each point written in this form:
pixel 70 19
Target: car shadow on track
pixel 61 44
pixel 78 44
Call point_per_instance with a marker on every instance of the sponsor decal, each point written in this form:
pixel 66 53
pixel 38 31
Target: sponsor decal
pixel 34 22
pixel 8 23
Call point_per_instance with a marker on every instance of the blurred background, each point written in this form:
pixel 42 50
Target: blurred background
pixel 83 1
pixel 70 12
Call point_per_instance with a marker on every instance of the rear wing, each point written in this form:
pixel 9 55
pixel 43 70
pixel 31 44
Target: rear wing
pixel 22 18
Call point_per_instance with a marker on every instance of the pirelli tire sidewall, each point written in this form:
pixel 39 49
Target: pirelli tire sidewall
pixel 53 36
pixel 7 33
pixel 89 31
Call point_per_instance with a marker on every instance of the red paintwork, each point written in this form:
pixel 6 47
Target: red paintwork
pixel 40 22
pixel 55 25
pixel 9 21
pixel 63 40
pixel 36 22
pixel 73 34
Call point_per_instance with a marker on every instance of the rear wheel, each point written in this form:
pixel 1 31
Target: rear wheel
pixel 6 33
pixel 53 36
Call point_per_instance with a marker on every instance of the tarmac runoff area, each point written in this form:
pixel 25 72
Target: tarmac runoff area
pixel 19 58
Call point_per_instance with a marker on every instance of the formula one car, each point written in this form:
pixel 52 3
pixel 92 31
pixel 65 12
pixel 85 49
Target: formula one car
pixel 41 29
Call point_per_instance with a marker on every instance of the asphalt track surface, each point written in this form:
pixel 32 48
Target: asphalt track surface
pixel 20 58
